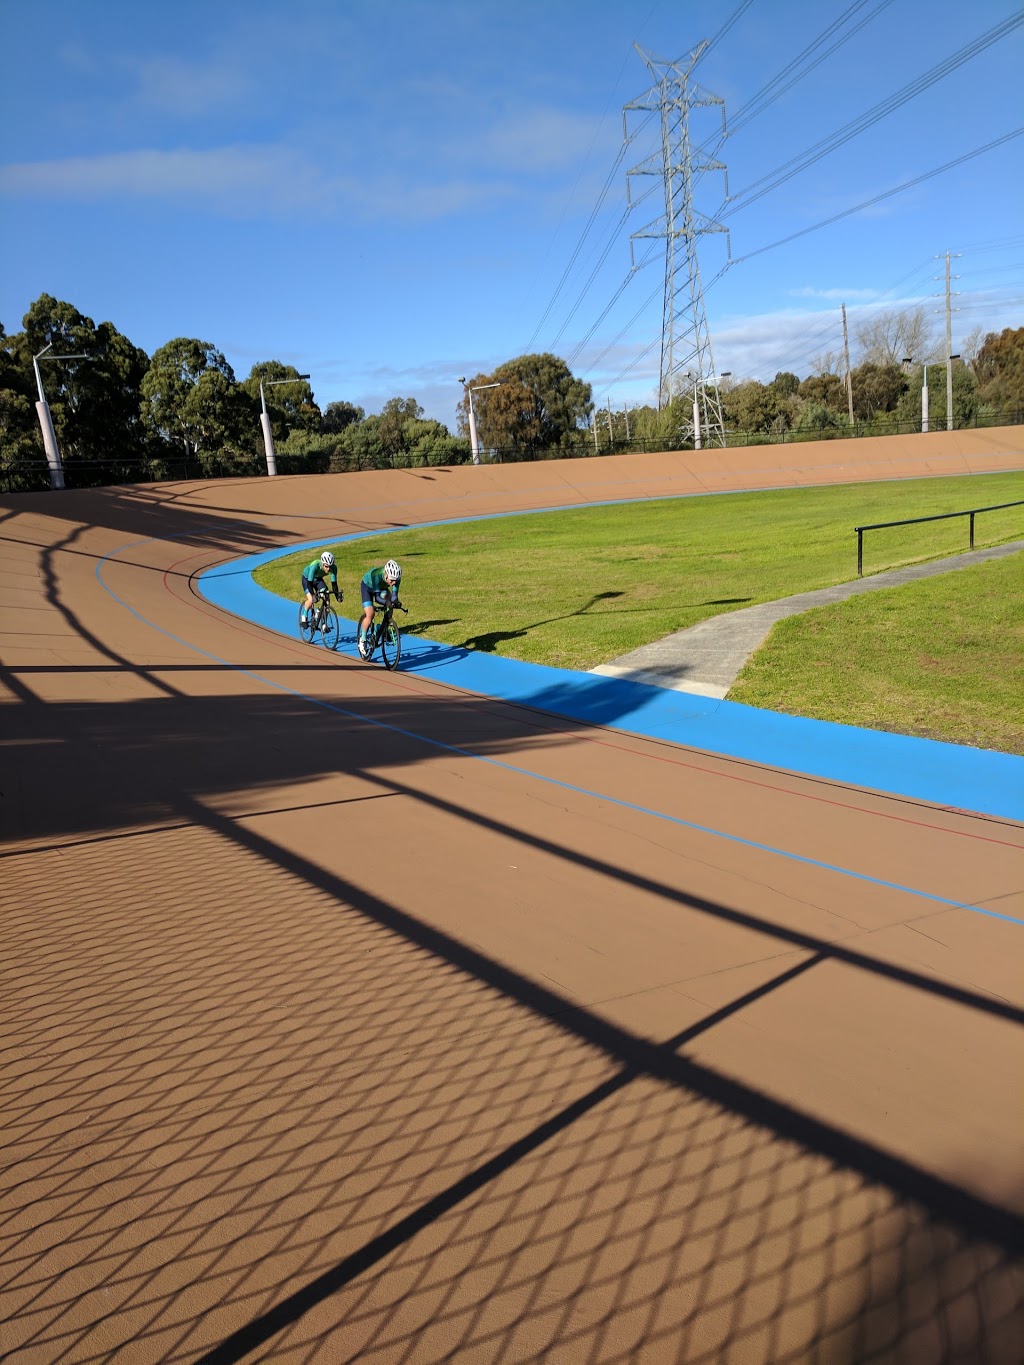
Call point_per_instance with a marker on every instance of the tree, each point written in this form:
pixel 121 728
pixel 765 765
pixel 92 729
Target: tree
pixel 971 345
pixel 828 362
pixel 394 415
pixel 337 416
pixel 646 427
pixel 190 395
pixel 826 389
pixel 876 388
pixel 361 443
pixel 109 419
pixel 786 384
pixel 290 406
pixel 508 417
pixel 20 441
pixel 999 370
pixel 540 405
pixel 431 443
pixel 818 419
pixel 890 337
pixel 752 407
pixel 94 401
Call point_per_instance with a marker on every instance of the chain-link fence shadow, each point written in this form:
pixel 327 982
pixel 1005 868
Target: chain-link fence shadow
pixel 249 1113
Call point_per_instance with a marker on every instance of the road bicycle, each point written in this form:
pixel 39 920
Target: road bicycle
pixel 385 633
pixel 321 618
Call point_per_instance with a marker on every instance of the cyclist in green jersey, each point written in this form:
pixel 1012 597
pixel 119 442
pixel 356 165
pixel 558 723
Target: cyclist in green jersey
pixel 379 588
pixel 319 571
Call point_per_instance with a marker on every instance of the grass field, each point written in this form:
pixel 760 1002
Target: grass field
pixel 576 589
pixel 942 658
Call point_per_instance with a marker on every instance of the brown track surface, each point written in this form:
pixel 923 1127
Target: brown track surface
pixel 321 1042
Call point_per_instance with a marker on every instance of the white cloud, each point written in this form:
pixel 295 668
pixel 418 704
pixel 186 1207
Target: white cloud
pixel 249 181
pixel 190 88
pixel 808 291
pixel 226 176
pixel 534 140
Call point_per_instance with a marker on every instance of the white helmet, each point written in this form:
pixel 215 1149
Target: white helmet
pixel 393 571
pixel 327 559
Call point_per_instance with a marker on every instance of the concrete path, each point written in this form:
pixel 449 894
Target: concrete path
pixel 707 658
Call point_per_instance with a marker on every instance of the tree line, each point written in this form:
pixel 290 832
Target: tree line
pixel 120 414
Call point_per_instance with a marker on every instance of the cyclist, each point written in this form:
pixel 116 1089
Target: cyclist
pixel 315 573
pixel 380 589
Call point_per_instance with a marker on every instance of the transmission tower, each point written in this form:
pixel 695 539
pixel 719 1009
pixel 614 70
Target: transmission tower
pixel 686 359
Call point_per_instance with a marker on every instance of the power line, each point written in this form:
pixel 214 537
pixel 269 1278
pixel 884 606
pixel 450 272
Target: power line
pixel 712 43
pixel 772 90
pixel 887 194
pixel 579 245
pixel 577 349
pixel 836 139
pixel 813 339
pixel 803 160
pixel 590 280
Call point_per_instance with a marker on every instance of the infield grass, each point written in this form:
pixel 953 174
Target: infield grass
pixel 942 658
pixel 577 588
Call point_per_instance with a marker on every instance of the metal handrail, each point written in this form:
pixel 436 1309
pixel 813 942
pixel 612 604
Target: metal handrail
pixel 971 512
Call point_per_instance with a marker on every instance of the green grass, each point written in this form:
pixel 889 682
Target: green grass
pixel 576 589
pixel 942 658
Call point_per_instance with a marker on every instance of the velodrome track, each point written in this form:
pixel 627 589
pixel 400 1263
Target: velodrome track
pixel 348 1016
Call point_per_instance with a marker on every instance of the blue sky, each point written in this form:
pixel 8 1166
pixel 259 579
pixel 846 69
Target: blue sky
pixel 391 196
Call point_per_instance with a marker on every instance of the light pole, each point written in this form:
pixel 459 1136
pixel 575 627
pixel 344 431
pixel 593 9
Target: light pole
pixel 908 360
pixel 474 441
pixel 268 435
pixel 46 420
pixel 696 407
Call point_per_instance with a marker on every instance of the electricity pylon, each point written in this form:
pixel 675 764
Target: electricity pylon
pixel 686 359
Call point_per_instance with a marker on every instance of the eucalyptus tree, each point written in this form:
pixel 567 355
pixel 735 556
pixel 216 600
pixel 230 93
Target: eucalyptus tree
pixel 190 397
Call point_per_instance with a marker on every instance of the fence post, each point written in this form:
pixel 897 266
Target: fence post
pixel 972 530
pixel 860 552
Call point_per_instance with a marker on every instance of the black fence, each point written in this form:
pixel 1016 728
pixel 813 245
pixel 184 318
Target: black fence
pixel 21 475
pixel 971 512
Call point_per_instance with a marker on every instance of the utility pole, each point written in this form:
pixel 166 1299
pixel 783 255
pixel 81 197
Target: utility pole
pixel 611 434
pixel 625 414
pixel 685 339
pixel 949 343
pixel 849 377
pixel 949 354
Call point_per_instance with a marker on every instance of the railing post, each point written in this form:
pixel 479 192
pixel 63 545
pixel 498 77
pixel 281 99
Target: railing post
pixel 972 530
pixel 860 552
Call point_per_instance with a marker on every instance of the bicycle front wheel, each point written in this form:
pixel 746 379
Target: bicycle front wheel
pixel 391 646
pixel 306 626
pixel 329 629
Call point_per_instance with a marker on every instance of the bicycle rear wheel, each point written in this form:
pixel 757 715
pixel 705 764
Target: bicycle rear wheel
pixel 306 627
pixel 391 645
pixel 329 628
